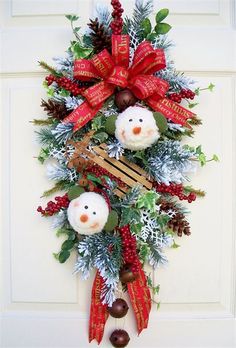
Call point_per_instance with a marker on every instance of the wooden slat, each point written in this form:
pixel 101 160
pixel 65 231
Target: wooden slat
pixel 130 164
pixel 140 179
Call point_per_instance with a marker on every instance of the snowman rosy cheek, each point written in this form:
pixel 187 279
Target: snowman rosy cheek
pixel 76 204
pixel 150 132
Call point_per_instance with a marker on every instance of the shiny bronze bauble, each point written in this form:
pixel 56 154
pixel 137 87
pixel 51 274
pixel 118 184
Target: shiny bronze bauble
pixel 119 338
pixel 124 99
pixel 126 274
pixel 119 308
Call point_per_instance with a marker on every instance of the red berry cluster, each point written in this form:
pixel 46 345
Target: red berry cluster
pixel 117 23
pixel 183 94
pixel 54 207
pixel 175 190
pixel 65 83
pixel 129 249
pixel 99 171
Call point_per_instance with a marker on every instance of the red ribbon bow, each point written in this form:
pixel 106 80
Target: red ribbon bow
pixel 113 71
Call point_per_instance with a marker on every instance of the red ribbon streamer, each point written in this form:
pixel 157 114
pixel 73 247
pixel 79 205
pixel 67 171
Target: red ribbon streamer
pixel 140 298
pixel 98 311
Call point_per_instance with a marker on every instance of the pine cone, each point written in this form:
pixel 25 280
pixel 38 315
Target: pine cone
pixel 177 223
pixel 55 109
pixel 99 35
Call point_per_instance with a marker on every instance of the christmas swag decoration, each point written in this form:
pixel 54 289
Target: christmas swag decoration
pixel 117 112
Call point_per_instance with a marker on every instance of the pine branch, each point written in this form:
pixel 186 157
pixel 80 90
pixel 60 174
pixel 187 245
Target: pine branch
pixel 43 122
pixel 195 121
pixel 190 189
pixel 45 136
pixel 59 186
pixel 49 68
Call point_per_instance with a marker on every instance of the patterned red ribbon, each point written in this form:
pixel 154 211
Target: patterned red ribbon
pixel 98 311
pixel 113 71
pixel 140 298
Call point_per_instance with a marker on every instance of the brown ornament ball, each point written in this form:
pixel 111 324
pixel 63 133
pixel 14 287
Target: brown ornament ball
pixel 119 308
pixel 83 182
pixel 126 274
pixel 124 99
pixel 119 338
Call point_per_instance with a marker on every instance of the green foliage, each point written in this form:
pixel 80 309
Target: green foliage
pixel 143 251
pixel 112 221
pixel 154 288
pixel 161 15
pixel 162 28
pixel 146 27
pixel 75 192
pixel 68 245
pixel 110 124
pixel 130 216
pixel 101 137
pixel 98 122
pixel 79 51
pixel 43 155
pixel 49 68
pixel 72 17
pixel 59 186
pixel 161 122
pixel 210 88
pixel 148 201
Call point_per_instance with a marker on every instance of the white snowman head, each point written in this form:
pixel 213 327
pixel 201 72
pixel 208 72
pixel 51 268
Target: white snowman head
pixel 88 213
pixel 136 128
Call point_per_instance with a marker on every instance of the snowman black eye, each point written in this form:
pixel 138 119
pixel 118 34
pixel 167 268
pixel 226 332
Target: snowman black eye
pixel 86 207
pixel 140 120
pixel 130 120
pixel 94 213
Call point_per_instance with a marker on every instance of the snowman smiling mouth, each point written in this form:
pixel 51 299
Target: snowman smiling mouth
pixel 84 218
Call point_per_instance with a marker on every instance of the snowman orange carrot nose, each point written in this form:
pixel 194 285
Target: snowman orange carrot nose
pixel 84 218
pixel 137 130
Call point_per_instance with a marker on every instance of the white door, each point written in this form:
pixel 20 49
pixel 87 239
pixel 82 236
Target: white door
pixel 42 303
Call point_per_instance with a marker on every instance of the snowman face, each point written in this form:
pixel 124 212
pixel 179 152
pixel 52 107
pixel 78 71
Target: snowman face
pixel 136 128
pixel 88 213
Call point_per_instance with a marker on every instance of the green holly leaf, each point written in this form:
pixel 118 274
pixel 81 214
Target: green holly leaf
pixel 72 18
pixel 148 201
pixel 202 159
pixel 130 216
pixel 98 122
pixel 144 252
pixel 101 137
pixel 197 91
pixel 161 15
pixel 162 28
pixel 146 26
pixel 136 229
pixel 80 51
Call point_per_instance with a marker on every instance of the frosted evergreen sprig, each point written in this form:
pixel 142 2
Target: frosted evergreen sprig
pixel 103 252
pixel 64 65
pixel 169 161
pixel 59 172
pixel 103 15
pixel 63 132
